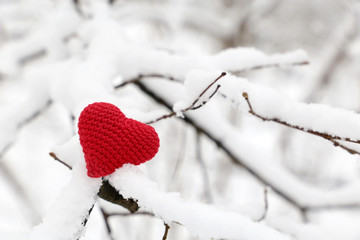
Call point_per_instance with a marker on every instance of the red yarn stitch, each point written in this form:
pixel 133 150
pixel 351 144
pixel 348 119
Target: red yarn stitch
pixel 110 140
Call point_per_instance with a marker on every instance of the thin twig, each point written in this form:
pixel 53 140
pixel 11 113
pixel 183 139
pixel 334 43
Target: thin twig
pixel 326 136
pixel 194 105
pixel 60 161
pixel 207 88
pixel 26 121
pixel 109 193
pixel 106 217
pixel 6 148
pixel 167 227
pixel 32 56
pixel 199 157
pixel 78 8
pixel 232 157
pixel 343 36
pixel 106 220
pixel 266 205
pixel 162 76
pixel 8 175
pixel 241 163
pixel 180 156
pixel 271 65
pixel 304 214
pixel 35 114
pixel 131 214
pixel 142 76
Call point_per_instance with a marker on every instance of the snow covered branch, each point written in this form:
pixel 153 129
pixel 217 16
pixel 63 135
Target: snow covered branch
pixel 143 76
pixel 204 221
pixel 108 192
pixel 10 128
pixel 270 65
pixel 194 105
pixel 227 148
pixel 299 194
pixel 324 135
pixel 77 200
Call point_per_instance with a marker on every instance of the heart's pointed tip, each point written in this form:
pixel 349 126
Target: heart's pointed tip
pixel 91 175
pixel 98 173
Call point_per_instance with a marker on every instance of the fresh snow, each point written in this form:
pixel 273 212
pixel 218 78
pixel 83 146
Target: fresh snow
pixel 204 221
pixel 64 220
pixel 261 162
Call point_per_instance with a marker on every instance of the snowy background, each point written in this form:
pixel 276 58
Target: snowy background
pixel 269 151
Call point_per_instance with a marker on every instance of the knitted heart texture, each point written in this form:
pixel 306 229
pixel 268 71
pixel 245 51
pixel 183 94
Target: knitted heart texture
pixel 109 139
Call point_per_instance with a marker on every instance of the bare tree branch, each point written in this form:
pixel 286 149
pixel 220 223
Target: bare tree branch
pixel 194 105
pixel 204 170
pixel 78 8
pixel 239 162
pixel 170 78
pixel 60 161
pixel 167 227
pixel 232 156
pixel 271 65
pixel 109 193
pixel 26 121
pixel 35 114
pixel 31 213
pixel 142 76
pixel 326 136
pixel 33 56
pixel 106 220
pixel 131 214
pixel 343 36
pixel 5 149
pixel 266 205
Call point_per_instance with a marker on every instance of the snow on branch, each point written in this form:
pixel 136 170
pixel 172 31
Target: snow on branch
pixel 175 67
pixel 20 119
pixel 200 220
pixel 70 153
pixel 47 41
pixel 319 119
pixel 180 109
pixel 77 200
pixel 238 60
pixel 247 155
pixel 331 138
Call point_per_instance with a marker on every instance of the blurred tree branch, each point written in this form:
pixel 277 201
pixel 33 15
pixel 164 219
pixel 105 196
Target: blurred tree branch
pixel 31 213
pixel 232 157
pixel 343 36
pixel 237 161
pixel 142 76
pixel 26 121
pixel 266 205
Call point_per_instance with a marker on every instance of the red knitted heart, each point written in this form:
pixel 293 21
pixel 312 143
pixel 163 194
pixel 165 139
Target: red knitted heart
pixel 109 139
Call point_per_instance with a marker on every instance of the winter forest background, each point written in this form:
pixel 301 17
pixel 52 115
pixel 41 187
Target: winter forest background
pixel 268 151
